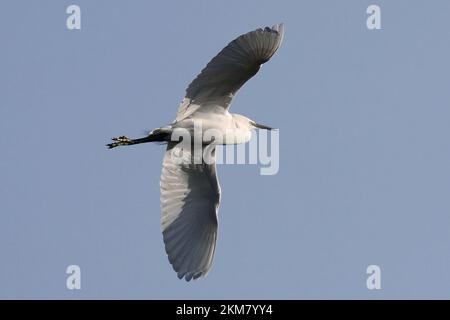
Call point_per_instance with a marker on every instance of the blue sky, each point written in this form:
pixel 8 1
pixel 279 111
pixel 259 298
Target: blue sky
pixel 364 149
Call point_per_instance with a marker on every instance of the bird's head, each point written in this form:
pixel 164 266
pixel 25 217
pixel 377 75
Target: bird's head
pixel 261 126
pixel 245 123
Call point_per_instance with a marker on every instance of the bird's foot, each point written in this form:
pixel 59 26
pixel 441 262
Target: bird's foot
pixel 120 141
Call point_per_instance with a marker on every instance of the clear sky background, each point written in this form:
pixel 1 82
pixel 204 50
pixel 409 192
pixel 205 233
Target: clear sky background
pixel 364 149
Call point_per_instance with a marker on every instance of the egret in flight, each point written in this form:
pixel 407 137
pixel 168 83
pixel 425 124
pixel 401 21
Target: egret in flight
pixel 190 191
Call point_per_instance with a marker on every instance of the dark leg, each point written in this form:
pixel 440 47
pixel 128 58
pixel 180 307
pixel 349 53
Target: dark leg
pixel 120 141
pixel 157 135
pixel 125 141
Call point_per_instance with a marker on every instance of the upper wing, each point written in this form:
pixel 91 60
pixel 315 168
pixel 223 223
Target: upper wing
pixel 240 60
pixel 190 196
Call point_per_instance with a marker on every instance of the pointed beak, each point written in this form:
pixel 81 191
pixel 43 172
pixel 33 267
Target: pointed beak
pixel 261 126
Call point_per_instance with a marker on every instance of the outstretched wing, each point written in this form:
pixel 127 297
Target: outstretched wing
pixel 190 196
pixel 240 60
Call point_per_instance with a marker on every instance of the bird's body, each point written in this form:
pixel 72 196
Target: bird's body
pixel 229 128
pixel 190 191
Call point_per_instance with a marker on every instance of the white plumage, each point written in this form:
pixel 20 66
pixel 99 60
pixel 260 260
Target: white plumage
pixel 190 192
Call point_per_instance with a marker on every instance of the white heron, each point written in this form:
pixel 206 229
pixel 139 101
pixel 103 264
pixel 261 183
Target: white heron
pixel 190 192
